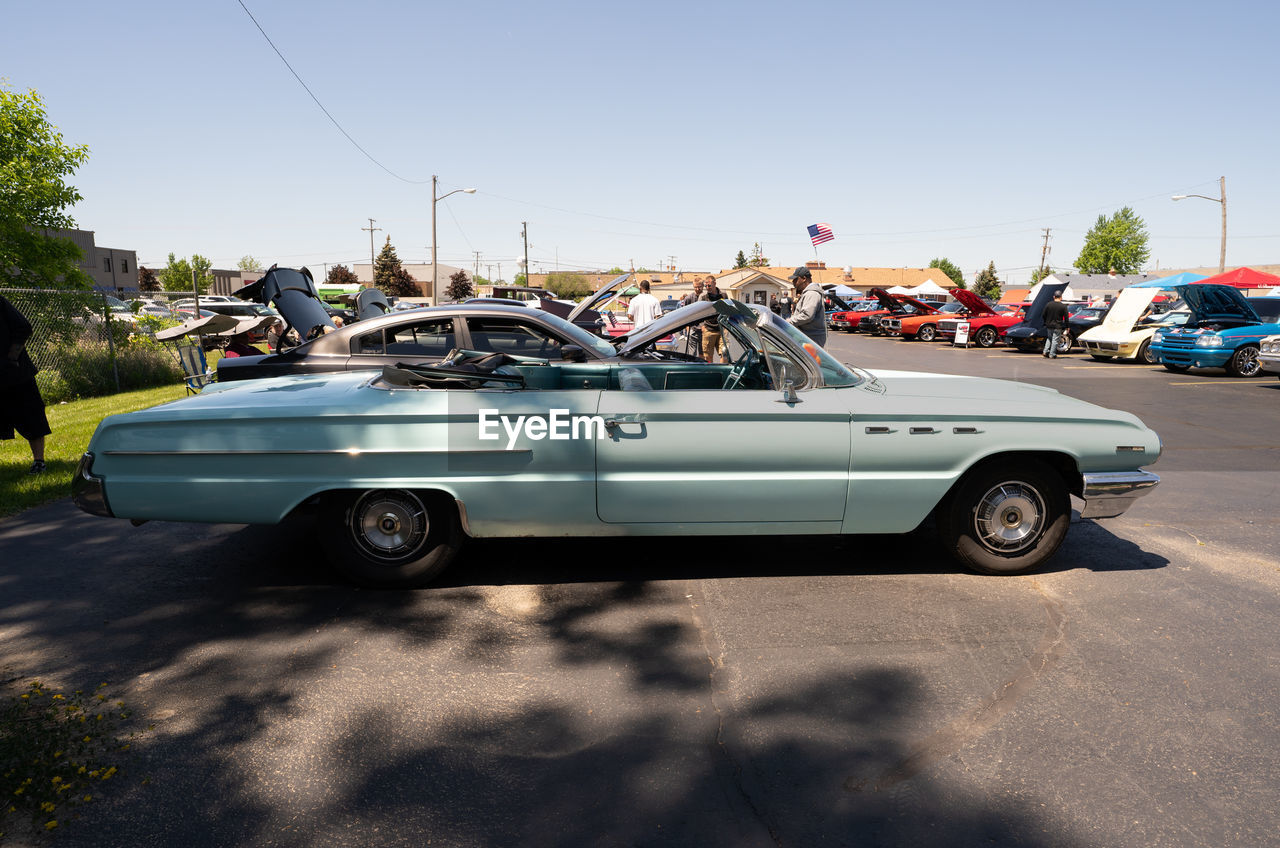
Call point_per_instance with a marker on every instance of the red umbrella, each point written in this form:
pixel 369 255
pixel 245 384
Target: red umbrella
pixel 1243 278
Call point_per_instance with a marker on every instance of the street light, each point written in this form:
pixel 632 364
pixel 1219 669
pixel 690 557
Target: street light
pixel 1222 185
pixel 434 201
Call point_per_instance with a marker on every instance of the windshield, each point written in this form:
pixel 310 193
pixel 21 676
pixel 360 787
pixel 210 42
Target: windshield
pixel 581 337
pixel 834 374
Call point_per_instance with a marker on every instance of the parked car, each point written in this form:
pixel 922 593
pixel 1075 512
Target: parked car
pixel 1126 331
pixel 399 466
pixel 1029 334
pixel 888 305
pixel 1269 355
pixel 1086 318
pixel 922 327
pixel 986 323
pixel 848 321
pixel 1225 331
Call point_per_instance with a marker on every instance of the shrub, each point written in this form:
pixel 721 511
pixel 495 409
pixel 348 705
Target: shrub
pixel 53 388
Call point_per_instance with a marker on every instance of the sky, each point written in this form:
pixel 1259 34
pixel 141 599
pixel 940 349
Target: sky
pixel 660 133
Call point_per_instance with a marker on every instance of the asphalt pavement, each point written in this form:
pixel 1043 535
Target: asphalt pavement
pixel 793 692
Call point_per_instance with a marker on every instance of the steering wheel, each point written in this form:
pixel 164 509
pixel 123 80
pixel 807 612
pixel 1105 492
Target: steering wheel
pixel 739 369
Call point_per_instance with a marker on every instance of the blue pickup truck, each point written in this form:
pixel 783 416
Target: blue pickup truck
pixel 1225 331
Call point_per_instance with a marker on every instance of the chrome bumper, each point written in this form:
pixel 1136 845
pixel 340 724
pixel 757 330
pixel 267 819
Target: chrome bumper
pixel 87 491
pixel 1109 493
pixel 1269 362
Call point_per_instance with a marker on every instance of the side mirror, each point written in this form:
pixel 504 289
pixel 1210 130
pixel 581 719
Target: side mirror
pixel 789 393
pixel 573 353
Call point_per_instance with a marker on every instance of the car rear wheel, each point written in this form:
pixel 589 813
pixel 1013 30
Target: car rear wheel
pixel 391 538
pixel 1244 362
pixel 1006 517
pixel 1064 342
pixel 985 337
pixel 927 333
pixel 1177 369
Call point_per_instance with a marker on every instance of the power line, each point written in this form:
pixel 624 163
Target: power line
pixel 334 120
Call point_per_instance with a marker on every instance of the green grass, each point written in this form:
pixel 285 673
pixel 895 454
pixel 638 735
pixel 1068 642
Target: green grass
pixel 72 424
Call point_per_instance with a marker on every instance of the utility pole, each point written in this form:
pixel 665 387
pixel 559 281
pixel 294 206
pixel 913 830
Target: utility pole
pixel 672 266
pixel 524 231
pixel 1044 251
pixel 371 228
pixel 477 271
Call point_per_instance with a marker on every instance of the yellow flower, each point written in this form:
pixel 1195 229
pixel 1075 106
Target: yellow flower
pixel 88 797
pixel 107 774
pixel 50 825
pixel 102 686
pixel 99 716
pixel 57 754
pixel 87 739
pixel 19 790
pixel 59 697
pixel 47 806
pixel 82 770
pixel 57 780
pixel 26 697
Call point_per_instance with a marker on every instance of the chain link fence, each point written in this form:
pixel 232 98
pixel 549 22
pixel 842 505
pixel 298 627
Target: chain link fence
pixel 87 343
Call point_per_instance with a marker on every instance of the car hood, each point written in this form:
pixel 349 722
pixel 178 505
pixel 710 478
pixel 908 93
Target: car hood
pixel 294 295
pixel 971 302
pixel 1127 309
pixel 1034 315
pixel 607 292
pixel 1211 302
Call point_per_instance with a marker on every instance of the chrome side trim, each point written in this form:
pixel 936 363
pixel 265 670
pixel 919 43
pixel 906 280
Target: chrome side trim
pixel 1109 493
pixel 327 452
pixel 462 516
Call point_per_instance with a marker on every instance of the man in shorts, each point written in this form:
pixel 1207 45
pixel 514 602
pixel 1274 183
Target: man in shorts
pixel 21 407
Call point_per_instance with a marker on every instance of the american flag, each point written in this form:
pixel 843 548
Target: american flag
pixel 819 233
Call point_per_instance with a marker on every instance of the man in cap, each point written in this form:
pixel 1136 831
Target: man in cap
pixel 810 315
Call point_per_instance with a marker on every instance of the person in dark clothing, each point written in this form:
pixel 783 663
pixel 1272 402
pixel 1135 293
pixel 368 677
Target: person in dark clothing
pixel 712 337
pixel 1055 319
pixel 22 408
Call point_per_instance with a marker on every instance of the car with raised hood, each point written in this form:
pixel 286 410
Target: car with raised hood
pixel 416 335
pixel 986 323
pixel 1126 331
pixel 400 466
pixel 1225 330
pixel 887 305
pixel 847 321
pixel 1029 334
pixel 922 327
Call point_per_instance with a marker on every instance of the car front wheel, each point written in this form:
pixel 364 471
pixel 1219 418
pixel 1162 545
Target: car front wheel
pixel 927 333
pixel 1244 362
pixel 986 337
pixel 1006 517
pixel 390 538
pixel 1145 355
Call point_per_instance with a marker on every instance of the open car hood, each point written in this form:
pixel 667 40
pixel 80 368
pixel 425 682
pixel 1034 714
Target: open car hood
pixel 607 292
pixel 1211 301
pixel 1034 314
pixel 894 302
pixel 685 316
pixel 293 293
pixel 212 325
pixel 371 303
pixel 1128 308
pixel 974 304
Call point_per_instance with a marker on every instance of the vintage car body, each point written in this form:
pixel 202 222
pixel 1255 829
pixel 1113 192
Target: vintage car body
pixel 922 327
pixel 1269 355
pixel 848 320
pixel 1225 330
pixel 1029 334
pixel 403 464
pixel 1124 333
pixel 986 325
pixel 891 305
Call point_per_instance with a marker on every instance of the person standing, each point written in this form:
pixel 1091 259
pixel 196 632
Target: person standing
pixel 810 316
pixel 1055 319
pixel 695 295
pixel 712 335
pixel 22 408
pixel 644 308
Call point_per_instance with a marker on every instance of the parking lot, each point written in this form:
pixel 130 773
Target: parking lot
pixel 712 692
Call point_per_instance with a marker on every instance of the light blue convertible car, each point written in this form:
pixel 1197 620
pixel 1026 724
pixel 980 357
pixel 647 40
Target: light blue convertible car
pixel 401 465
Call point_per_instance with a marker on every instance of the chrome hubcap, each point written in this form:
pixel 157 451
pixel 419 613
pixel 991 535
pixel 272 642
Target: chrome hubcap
pixel 1009 517
pixel 389 525
pixel 1248 359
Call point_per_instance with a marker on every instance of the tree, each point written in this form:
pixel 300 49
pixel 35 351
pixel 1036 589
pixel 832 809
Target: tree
pixel 202 267
pixel 757 259
pixel 949 268
pixel 615 271
pixel 34 195
pixel 390 276
pixel 459 287
pixel 1040 273
pixel 176 275
pixel 564 284
pixel 987 284
pixel 740 261
pixel 520 280
pixel 1118 244
pixel 341 275
pixel 147 280
pixel 248 263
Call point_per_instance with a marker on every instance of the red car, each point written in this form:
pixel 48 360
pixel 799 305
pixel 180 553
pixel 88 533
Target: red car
pixel 868 321
pixel 986 325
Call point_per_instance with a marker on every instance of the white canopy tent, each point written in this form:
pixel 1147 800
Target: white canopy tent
pixel 928 287
pixel 844 291
pixel 900 290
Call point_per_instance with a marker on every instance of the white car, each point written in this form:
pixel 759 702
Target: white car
pixel 1127 330
pixel 1269 355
